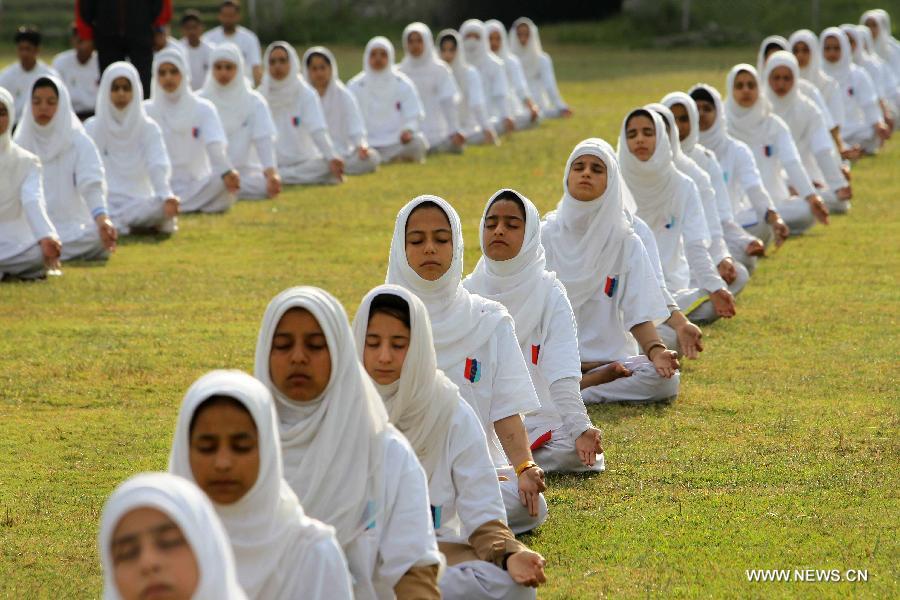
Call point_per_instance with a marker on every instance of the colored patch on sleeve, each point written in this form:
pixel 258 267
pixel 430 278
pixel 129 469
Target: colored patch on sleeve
pixel 436 516
pixel 399 106
pixel 768 150
pixel 535 353
pixel 473 370
pixel 542 439
pixel 296 121
pixel 195 132
pixel 611 284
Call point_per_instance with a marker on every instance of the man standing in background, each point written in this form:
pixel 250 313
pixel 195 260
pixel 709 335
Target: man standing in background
pixel 231 31
pixel 123 29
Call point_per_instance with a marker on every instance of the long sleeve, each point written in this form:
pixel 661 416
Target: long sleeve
pixel 828 164
pixel 265 149
pixel 413 111
pixel 90 178
pixel 158 167
pixel 566 395
pixel 35 207
pixel 867 97
pixel 548 81
pixel 798 178
pixel 760 200
pixel 322 141
pixel 218 158
pixel 702 269
pixel 493 540
pixel 652 252
pixel 451 114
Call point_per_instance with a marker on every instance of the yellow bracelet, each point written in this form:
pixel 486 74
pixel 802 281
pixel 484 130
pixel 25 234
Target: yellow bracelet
pixel 524 467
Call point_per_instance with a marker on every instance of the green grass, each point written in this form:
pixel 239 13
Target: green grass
pixel 781 451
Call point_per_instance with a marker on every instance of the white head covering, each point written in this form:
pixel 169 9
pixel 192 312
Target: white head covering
pixel 476 50
pixel 522 284
pixel 716 137
pixel 284 92
pixel 655 184
pixel 841 69
pixel 778 40
pixel 459 63
pixel 267 523
pixel 428 56
pixel 783 105
pixel 460 321
pixel 233 101
pixel 852 34
pixel 50 140
pixel 885 45
pixel 333 99
pixel 812 72
pixel 584 240
pixel 192 512
pixel 118 133
pixel 530 54
pixel 174 111
pixel 669 100
pixel 753 125
pixel 15 162
pixel 422 402
pixel 382 87
pixel 495 26
pixel 332 445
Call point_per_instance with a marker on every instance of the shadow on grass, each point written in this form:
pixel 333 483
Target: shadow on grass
pixel 143 239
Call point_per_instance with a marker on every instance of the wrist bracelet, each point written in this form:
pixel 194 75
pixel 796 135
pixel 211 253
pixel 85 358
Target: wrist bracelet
pixel 656 344
pixel 524 467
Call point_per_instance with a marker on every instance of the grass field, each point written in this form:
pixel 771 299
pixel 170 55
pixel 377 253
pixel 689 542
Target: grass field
pixel 781 451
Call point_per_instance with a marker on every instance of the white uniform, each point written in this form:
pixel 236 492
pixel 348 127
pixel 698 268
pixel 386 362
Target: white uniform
pixel 303 146
pixel 538 68
pixel 247 122
pixel 82 79
pixel 18 82
pixel 23 213
pixel 490 68
pixel 519 92
pixel 812 73
pixel 474 120
pixel 73 178
pixel 195 142
pixel 437 91
pixel 245 40
pixel 476 348
pixel 389 105
pixel 134 158
pixel 345 122
pixel 198 61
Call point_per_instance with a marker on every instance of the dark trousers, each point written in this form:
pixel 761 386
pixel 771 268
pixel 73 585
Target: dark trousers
pixel 137 50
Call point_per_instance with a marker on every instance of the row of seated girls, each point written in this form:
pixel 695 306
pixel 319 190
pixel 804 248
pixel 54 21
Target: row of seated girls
pixel 135 165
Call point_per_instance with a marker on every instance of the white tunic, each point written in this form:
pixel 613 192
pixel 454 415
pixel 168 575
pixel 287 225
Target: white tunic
pixel 198 61
pixel 295 124
pixel 244 39
pixel 553 355
pixel 385 125
pixel 464 490
pixel 19 81
pixel 82 79
pixel 150 181
pixel 402 536
pixel 622 301
pixel 494 380
pixel 23 213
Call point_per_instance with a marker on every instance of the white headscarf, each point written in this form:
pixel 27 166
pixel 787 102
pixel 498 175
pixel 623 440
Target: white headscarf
pixel 50 140
pixel 716 137
pixel 460 321
pixel 192 512
pixel 422 402
pixel 284 92
pixel 15 162
pixel 174 111
pixel 118 133
pixel 332 445
pixel 885 45
pixel 812 72
pixel 267 523
pixel 522 284
pixel 233 101
pixel 778 40
pixel 428 56
pixel 655 184
pixel 841 70
pixel 753 126
pixel 495 26
pixel 477 51
pixel 669 100
pixel 382 87
pixel 333 98
pixel 459 63
pixel 530 54
pixel 585 240
pixel 792 107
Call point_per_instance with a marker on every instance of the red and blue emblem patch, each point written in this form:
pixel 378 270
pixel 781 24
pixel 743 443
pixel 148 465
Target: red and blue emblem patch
pixel 473 370
pixel 399 106
pixel 768 150
pixel 611 284
pixel 195 132
pixel 296 121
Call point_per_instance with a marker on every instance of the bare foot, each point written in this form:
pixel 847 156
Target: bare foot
pixel 605 374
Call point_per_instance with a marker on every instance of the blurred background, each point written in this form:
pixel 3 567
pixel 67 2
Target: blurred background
pixel 618 23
